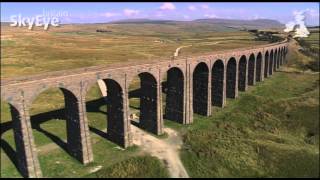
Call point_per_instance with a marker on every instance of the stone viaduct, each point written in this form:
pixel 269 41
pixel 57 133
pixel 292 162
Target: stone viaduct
pixel 193 85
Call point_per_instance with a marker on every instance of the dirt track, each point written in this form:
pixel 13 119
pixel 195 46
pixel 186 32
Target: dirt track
pixel 165 149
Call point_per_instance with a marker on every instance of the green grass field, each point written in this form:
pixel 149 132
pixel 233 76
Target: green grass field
pixel 270 131
pixel 137 167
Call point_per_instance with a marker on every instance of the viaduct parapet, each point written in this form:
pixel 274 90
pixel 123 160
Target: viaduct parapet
pixel 191 85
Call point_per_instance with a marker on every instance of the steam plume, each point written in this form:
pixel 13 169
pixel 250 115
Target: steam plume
pixel 301 30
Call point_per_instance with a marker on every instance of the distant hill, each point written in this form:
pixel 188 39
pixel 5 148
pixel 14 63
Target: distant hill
pixel 5 23
pixel 219 24
pixel 249 24
pixel 229 23
pixel 313 26
pixel 143 21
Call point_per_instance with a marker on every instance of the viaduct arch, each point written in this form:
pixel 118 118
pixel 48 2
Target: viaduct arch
pixel 200 89
pixel 193 85
pixel 217 82
pixel 242 74
pixel 251 70
pixel 259 68
pixel 231 78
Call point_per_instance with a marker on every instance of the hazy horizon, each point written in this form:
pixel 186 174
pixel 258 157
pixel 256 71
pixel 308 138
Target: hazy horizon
pixel 148 19
pixel 83 13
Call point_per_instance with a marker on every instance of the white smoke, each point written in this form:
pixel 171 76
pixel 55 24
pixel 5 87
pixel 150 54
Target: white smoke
pixel 290 26
pixel 301 30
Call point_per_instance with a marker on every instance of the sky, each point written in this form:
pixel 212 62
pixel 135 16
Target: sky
pixel 106 12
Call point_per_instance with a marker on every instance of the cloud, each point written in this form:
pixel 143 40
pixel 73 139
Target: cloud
pixel 130 12
pixel 159 14
pixel 204 6
pixel 192 8
pixel 109 14
pixel 313 13
pixel 186 17
pixel 168 6
pixel 256 16
pixel 210 16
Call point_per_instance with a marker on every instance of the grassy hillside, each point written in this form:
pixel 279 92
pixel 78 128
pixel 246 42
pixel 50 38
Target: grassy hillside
pixel 310 48
pixel 270 131
pixel 137 167
pixel 26 52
